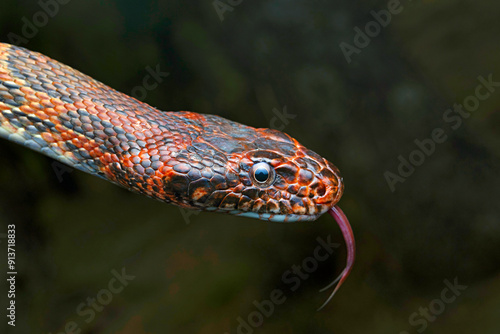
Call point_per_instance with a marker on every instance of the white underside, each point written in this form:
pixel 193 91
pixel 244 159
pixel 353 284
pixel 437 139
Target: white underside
pixel 278 218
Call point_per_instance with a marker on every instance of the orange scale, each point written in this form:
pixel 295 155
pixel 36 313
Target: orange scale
pixel 127 163
pixel 69 155
pixel 41 95
pixel 41 60
pixel 66 136
pixel 165 170
pixel 299 154
pixel 124 120
pixel 27 109
pixel 115 121
pixel 20 82
pixel 110 113
pixel 59 72
pixel 47 136
pixel 52 117
pixel 80 141
pixel 57 145
pixel 88 146
pixel 56 102
pixel 93 110
pixel 60 128
pixel 50 111
pixel 156 131
pixel 127 128
pixel 100 108
pixel 85 84
pixel 59 109
pixel 138 127
pixel 46 103
pixel 4 76
pixel 88 103
pixel 75 141
pixel 103 116
pixel 108 157
pixel 127 125
pixel 158 138
pixel 80 105
pixel 26 90
pixel 95 152
pixel 56 137
pixel 102 159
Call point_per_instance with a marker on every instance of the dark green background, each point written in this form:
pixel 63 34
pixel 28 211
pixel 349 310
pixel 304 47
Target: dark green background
pixel 441 223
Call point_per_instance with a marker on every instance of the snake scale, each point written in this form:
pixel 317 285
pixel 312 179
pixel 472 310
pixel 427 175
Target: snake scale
pixel 195 161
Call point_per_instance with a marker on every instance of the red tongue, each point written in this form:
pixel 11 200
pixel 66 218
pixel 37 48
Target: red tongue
pixel 345 227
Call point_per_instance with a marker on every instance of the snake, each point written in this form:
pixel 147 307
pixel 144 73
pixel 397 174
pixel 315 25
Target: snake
pixel 192 160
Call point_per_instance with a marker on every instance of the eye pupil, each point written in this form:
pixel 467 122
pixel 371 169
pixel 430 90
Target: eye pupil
pixel 261 174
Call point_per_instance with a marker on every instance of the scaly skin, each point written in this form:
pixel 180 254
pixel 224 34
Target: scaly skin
pixel 192 160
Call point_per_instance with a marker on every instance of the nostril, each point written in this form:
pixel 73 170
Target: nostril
pixel 321 190
pixel 330 190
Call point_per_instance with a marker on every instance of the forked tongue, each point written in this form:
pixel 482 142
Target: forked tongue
pixel 345 227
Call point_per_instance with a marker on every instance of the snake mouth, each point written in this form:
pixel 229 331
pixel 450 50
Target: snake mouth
pixel 279 218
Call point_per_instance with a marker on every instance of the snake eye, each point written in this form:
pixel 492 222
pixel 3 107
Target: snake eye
pixel 262 174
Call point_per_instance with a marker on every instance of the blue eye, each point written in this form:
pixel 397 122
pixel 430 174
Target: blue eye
pixel 262 174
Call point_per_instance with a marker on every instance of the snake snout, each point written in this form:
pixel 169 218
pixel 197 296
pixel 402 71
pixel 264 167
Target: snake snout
pixel 329 188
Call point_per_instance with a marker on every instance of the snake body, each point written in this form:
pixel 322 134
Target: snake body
pixel 192 160
pixel 196 161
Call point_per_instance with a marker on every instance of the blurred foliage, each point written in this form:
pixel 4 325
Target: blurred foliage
pixel 441 223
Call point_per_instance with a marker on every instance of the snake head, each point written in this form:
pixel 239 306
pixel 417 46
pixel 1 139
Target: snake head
pixel 285 181
pixel 263 174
